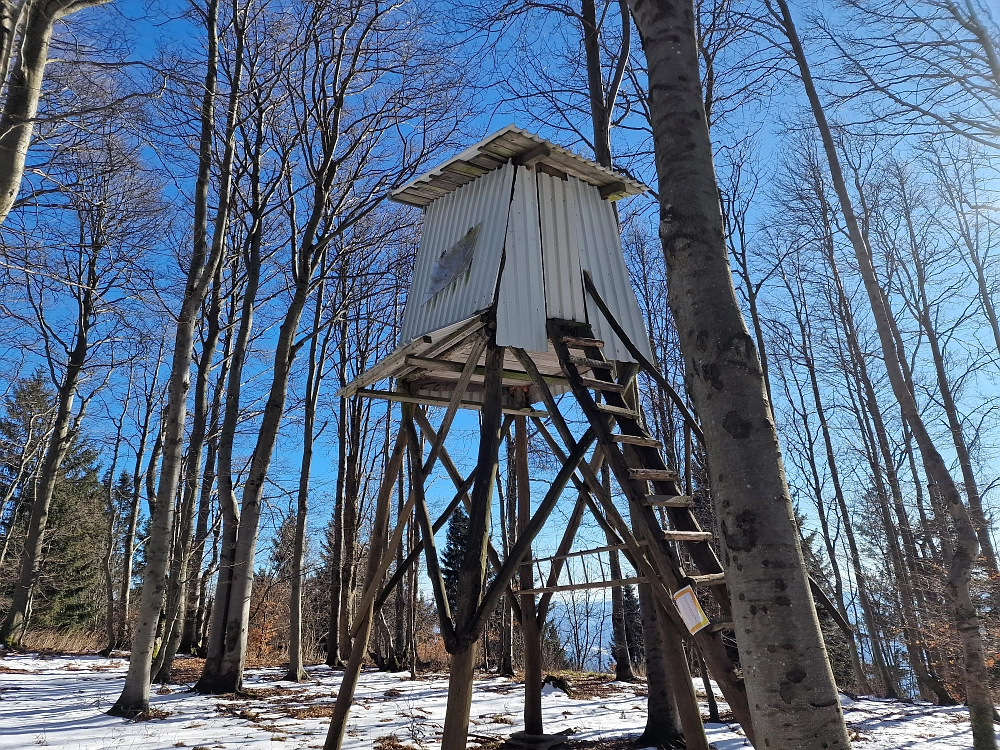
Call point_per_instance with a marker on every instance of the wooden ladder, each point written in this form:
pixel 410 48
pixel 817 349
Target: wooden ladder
pixel 635 458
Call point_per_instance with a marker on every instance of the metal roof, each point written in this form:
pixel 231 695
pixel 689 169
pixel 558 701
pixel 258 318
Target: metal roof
pixel 509 143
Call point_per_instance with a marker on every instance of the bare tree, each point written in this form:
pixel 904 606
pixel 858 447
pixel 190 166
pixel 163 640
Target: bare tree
pixel 794 697
pixel 966 542
pixel 26 32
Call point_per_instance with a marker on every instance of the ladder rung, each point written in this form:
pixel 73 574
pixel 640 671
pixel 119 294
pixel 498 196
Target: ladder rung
pixel 618 411
pixel 603 385
pixel 687 536
pixel 580 342
pixel 718 627
pixel 587 362
pixel 654 475
pixel 637 440
pixel 711 579
pixel 669 501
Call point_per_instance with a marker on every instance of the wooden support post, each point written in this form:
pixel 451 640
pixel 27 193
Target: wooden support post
pixel 461 495
pixel 529 624
pixel 656 569
pixel 456 477
pixel 427 530
pixel 471 577
pixel 380 532
pixel 575 518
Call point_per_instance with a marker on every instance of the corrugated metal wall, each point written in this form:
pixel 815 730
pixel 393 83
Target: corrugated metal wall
pixel 601 254
pixel 559 214
pixel 552 229
pixel 521 302
pixel 446 221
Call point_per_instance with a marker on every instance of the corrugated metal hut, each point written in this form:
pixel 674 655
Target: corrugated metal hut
pixel 510 224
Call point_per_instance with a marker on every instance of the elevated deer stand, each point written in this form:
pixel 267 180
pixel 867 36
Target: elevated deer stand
pixel 520 293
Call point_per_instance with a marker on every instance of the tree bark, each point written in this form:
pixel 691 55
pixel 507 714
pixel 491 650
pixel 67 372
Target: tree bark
pixel 12 630
pixel 24 89
pixel 530 626
pixel 789 683
pixel 966 544
pixel 472 573
pixel 205 259
pixel 314 379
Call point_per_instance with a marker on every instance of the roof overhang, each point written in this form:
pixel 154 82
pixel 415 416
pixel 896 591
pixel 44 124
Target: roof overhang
pixel 527 149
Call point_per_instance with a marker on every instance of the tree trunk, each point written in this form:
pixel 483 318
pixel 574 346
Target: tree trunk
pixel 966 544
pixel 178 582
pixel 229 677
pixel 128 543
pixel 789 683
pixel 24 88
pixel 530 626
pixel 923 314
pixel 337 553
pixel 205 259
pixel 12 630
pixel 472 573
pixel 662 720
pixel 314 378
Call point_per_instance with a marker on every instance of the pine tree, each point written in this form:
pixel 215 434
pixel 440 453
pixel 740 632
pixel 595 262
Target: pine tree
pixel 454 553
pixel 68 593
pixel 633 625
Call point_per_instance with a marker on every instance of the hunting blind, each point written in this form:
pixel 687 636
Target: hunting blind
pixel 520 293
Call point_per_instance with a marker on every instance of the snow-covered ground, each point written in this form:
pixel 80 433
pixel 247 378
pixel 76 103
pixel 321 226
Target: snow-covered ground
pixel 60 702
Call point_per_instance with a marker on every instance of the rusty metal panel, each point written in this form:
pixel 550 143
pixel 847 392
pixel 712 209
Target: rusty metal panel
pixel 521 302
pixel 601 254
pixel 559 216
pixel 483 204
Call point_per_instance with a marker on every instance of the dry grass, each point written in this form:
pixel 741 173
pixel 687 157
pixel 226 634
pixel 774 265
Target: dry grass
pixel 65 641
pixel 150 714
pixel 185 669
pixel 11 670
pixel 389 742
pixel 317 711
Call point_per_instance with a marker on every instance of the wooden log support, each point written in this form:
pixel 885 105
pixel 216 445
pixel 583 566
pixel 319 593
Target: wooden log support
pixel 617 411
pixel 426 363
pixel 380 530
pixel 575 518
pixel 663 574
pixel 586 585
pixel 581 342
pixel 523 543
pixel 668 501
pixel 406 398
pixel 672 535
pixel 427 530
pixel 602 385
pixel 530 627
pixel 653 475
pixel 637 440
pixel 472 571
pixel 456 479
pixel 599 364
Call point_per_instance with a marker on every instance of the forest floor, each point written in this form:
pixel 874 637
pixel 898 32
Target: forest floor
pixel 60 702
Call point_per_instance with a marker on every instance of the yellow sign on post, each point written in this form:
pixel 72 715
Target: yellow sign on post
pixel 691 612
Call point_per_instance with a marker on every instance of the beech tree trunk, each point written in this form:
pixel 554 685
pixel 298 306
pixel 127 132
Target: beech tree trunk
pixel 24 86
pixel 966 543
pixel 206 256
pixel 792 694
pixel 60 438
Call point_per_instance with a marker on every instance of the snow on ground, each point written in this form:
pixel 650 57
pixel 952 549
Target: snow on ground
pixel 60 702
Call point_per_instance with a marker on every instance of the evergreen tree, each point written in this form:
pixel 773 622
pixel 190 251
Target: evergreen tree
pixel 69 590
pixel 553 651
pixel 454 552
pixel 633 625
